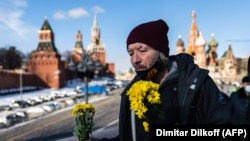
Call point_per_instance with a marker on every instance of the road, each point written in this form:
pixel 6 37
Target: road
pixel 59 125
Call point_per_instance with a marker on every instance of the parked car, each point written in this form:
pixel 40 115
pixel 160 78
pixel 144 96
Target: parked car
pixel 46 98
pixel 110 86
pixel 96 89
pixel 35 100
pixel 5 108
pixel 7 120
pixel 17 117
pixel 20 104
pixel 22 116
pixel 2 125
pixel 49 107
pixel 55 94
pixel 71 93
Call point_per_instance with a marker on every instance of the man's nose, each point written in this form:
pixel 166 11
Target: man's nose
pixel 135 58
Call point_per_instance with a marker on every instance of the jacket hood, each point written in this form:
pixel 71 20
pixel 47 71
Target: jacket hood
pixel 185 62
pixel 185 65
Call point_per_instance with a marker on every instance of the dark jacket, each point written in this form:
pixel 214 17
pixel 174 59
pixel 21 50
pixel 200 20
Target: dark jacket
pixel 240 107
pixel 189 96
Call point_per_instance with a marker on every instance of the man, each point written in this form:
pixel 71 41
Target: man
pixel 239 103
pixel 188 94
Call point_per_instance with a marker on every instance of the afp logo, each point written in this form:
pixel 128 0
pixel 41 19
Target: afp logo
pixel 234 133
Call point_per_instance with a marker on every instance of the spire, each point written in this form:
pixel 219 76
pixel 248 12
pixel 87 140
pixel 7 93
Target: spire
pixel 78 49
pixel 180 45
pixel 230 63
pixel 193 16
pixel 229 54
pixel 180 41
pixel 95 31
pixel 78 45
pixel 46 25
pixel 46 38
pixel 193 25
pixel 193 35
pixel 213 42
pixel 95 24
pixel 96 44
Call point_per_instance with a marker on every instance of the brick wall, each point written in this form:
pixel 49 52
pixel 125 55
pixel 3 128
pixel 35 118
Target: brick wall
pixel 11 79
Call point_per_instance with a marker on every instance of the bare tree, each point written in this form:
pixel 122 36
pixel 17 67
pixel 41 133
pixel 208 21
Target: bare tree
pixel 3 53
pixel 10 58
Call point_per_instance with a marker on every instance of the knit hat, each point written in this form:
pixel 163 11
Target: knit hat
pixel 245 79
pixel 153 33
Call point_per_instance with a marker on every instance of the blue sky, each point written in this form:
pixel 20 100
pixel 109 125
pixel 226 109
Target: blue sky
pixel 20 21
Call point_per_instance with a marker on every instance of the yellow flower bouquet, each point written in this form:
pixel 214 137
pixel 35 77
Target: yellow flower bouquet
pixel 84 120
pixel 143 95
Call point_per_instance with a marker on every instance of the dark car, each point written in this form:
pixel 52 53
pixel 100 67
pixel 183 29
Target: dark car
pixel 5 108
pixel 17 117
pixel 21 116
pixel 110 86
pixel 7 120
pixel 20 104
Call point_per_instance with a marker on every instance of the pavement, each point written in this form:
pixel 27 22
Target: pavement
pixel 108 131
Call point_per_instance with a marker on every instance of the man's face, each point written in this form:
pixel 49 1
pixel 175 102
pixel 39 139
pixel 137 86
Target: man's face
pixel 246 84
pixel 142 56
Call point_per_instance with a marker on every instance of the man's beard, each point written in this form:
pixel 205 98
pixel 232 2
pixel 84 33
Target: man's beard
pixel 151 73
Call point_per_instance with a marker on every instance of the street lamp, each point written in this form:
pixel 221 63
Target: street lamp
pixel 21 84
pixel 86 68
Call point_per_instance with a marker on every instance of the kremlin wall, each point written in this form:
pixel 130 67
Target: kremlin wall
pixel 45 68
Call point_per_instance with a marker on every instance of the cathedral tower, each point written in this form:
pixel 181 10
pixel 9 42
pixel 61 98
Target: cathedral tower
pixel 193 35
pixel 230 63
pixel 180 45
pixel 212 57
pixel 200 55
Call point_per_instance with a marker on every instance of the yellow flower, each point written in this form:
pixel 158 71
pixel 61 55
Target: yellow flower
pixel 82 108
pixel 154 97
pixel 84 120
pixel 140 111
pixel 141 94
pixel 145 125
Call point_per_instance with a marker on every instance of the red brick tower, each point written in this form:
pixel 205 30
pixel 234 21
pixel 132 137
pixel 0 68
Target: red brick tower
pixel 45 61
pixel 98 49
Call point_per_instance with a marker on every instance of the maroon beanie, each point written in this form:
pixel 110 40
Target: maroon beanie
pixel 245 79
pixel 152 33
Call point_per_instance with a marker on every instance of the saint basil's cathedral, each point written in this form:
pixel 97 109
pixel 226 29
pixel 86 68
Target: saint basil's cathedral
pixel 228 68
